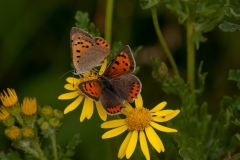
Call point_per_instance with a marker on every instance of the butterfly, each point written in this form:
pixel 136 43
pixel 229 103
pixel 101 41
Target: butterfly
pixel 87 52
pixel 116 85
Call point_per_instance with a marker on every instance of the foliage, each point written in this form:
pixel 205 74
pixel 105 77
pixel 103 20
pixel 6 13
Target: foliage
pixel 231 11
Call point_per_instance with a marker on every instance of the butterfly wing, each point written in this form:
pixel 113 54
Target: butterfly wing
pixel 80 41
pixel 128 86
pixel 123 63
pixel 109 98
pixel 91 89
pixel 102 42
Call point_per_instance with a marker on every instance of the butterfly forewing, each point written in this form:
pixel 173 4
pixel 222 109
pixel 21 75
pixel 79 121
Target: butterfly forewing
pixel 123 63
pixel 91 89
pixel 128 86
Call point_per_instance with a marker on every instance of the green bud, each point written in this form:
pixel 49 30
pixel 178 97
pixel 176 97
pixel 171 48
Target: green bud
pixel 54 122
pixel 9 121
pixel 47 112
pixel 44 126
pixel 58 114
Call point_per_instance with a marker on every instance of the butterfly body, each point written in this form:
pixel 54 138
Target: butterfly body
pixel 87 52
pixel 116 85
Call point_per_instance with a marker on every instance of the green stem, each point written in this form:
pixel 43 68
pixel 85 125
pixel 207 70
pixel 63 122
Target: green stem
pixel 38 149
pixel 108 21
pixel 190 54
pixel 162 41
pixel 54 145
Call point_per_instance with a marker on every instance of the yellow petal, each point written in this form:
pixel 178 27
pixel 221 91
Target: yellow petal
pixel 162 128
pixel 139 101
pixel 113 123
pixel 123 148
pixel 159 107
pixel 73 105
pixel 84 112
pixel 132 144
pixel 158 119
pixel 103 67
pixel 163 112
pixel 72 80
pixel 89 105
pixel 69 87
pixel 101 112
pixel 171 116
pixel 69 95
pixel 124 111
pixel 114 132
pixel 154 139
pixel 143 144
pixel 128 106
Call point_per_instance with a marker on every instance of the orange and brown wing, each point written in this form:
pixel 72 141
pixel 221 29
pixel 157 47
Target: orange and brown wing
pixel 91 89
pixel 122 64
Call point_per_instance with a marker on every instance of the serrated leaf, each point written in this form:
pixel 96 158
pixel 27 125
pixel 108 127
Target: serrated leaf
pixel 201 80
pixel 234 75
pixel 82 20
pixel 178 8
pixel 229 27
pixel 193 150
pixel 232 11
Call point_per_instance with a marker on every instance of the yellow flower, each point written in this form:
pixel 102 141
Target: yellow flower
pixel 13 133
pixel 29 106
pixel 3 114
pixel 9 99
pixel 140 122
pixel 88 108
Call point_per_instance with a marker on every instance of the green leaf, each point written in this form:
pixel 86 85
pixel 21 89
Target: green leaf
pixel 232 11
pixel 11 155
pixel 238 136
pixel 234 75
pixel 201 80
pixel 229 27
pixel 147 4
pixel 83 22
pixel 193 150
pixel 238 2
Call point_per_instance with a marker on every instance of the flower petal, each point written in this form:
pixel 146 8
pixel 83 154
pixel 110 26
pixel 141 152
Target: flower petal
pixel 158 119
pixel 171 116
pixel 113 123
pixel 139 101
pixel 69 95
pixel 128 106
pixel 159 107
pixel 89 105
pixel 154 139
pixel 73 105
pixel 124 145
pixel 163 112
pixel 103 67
pixel 143 144
pixel 84 112
pixel 114 132
pixel 162 128
pixel 132 144
pixel 101 112
pixel 69 87
pixel 72 80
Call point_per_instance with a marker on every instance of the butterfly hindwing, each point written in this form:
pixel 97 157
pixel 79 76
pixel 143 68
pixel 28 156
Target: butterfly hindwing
pixel 93 57
pixel 91 89
pixel 128 86
pixel 123 63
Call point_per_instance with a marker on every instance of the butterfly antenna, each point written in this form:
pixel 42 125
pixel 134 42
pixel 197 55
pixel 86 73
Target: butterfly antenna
pixel 65 73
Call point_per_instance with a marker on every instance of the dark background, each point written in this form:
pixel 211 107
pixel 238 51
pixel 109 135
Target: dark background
pixel 35 52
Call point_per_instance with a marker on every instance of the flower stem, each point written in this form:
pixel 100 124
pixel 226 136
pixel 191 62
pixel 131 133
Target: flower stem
pixel 108 21
pixel 190 54
pixel 53 139
pixel 38 149
pixel 162 41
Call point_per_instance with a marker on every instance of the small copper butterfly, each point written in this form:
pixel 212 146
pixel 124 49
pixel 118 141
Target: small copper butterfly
pixel 87 52
pixel 116 85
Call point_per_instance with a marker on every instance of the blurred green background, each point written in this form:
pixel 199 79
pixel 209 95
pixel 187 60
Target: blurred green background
pixel 35 52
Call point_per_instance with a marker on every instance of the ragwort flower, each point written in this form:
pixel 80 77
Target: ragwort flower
pixel 9 98
pixel 140 122
pixel 88 108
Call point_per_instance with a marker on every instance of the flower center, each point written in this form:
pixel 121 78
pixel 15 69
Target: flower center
pixel 138 119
